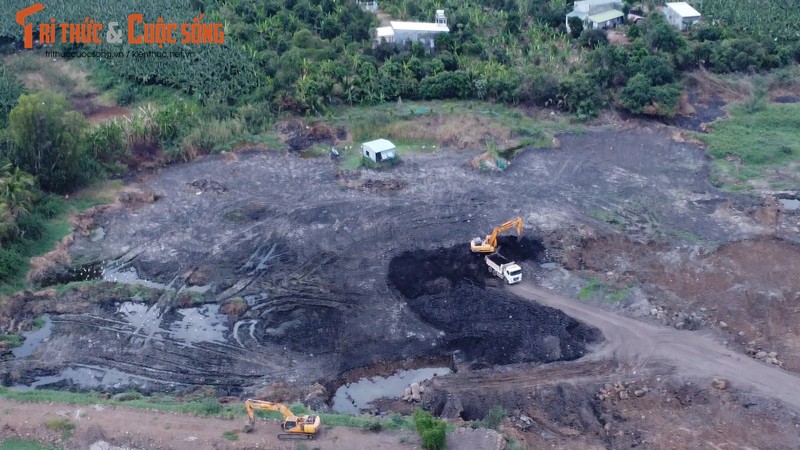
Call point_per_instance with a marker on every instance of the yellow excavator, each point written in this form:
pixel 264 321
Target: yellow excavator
pixel 489 243
pixel 294 427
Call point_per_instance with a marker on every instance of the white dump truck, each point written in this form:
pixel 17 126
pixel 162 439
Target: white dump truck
pixel 504 268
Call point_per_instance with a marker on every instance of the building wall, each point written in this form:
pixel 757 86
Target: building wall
pixel 677 21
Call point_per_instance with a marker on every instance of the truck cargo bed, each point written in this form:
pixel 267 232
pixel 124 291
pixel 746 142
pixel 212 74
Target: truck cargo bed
pixel 498 259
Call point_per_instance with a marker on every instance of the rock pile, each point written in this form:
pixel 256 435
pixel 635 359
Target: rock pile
pixel 621 391
pixel 413 393
pixel 761 355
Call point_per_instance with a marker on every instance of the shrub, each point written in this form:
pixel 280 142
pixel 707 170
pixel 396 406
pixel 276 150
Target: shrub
pixel 593 38
pixel 49 141
pixel 11 264
pixel 494 417
pixel 575 27
pixel 580 94
pixel 208 137
pixel 31 226
pixel 433 431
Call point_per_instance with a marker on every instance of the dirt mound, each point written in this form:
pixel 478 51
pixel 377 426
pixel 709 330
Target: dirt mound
pixel 447 288
pixel 437 271
pixel 299 136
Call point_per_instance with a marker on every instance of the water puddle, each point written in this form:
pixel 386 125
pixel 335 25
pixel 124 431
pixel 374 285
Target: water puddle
pixel 129 276
pixel 203 324
pixel 146 319
pixel 89 377
pixel 85 272
pixel 790 203
pixel 351 399
pixel 33 339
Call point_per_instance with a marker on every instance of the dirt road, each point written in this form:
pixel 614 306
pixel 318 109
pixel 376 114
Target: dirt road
pixel 638 346
pixel 142 429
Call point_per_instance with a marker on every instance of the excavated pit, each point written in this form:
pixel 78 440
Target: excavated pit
pixel 451 289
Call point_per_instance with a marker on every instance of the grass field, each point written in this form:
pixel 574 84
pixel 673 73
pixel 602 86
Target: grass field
pixel 756 148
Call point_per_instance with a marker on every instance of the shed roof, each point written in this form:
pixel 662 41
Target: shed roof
pixel 418 26
pixel 683 9
pixel 379 145
pixel 606 16
pixel 385 31
pixel 579 14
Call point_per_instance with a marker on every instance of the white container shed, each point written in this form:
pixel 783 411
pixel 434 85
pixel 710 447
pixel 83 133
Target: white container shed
pixel 379 150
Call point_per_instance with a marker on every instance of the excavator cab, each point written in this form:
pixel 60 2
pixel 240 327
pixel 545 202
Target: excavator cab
pixel 489 244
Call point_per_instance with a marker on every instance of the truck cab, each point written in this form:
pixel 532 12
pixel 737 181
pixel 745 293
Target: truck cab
pixel 512 274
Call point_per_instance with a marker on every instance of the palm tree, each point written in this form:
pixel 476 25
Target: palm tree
pixel 17 189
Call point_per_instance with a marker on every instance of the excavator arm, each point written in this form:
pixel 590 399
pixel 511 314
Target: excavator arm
pixel 253 405
pixel 489 244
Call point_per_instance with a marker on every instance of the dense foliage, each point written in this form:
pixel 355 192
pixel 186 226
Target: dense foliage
pixel 303 56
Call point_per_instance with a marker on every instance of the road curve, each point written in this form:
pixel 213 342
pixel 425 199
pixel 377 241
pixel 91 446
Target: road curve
pixel 641 345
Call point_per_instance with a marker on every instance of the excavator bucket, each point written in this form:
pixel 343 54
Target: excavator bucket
pixel 248 427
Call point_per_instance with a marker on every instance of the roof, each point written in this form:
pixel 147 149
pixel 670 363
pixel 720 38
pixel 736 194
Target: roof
pixel 683 9
pixel 595 2
pixel 418 26
pixel 606 16
pixel 579 14
pixel 385 31
pixel 379 145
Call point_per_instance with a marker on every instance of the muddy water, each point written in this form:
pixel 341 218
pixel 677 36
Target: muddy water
pixel 790 204
pixel 356 396
pixel 203 324
pixel 89 377
pixel 33 339
pixel 129 276
pixel 195 325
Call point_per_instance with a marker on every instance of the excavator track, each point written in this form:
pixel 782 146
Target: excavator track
pixel 287 436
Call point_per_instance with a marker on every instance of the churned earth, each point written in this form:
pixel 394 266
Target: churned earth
pixel 266 273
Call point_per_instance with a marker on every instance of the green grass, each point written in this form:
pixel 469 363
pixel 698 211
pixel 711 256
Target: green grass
pixel 201 407
pixel 611 294
pixel 14 339
pixel 448 120
pixel 56 228
pixel 65 426
pixel 606 216
pixel 767 142
pixel 590 289
pixel 23 444
pixel 231 435
pixel 207 407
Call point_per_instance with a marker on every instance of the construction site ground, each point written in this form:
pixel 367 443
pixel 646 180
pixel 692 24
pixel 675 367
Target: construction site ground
pixel 655 310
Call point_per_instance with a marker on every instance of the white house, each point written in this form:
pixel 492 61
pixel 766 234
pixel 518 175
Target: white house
pixel 423 32
pixel 379 150
pixel 681 15
pixel 597 13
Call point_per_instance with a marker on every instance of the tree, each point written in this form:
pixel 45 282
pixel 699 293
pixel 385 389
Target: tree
pixel 575 27
pixel 593 38
pixel 49 141
pixel 17 189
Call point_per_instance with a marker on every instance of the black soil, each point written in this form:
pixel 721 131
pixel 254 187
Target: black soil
pixel 450 288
